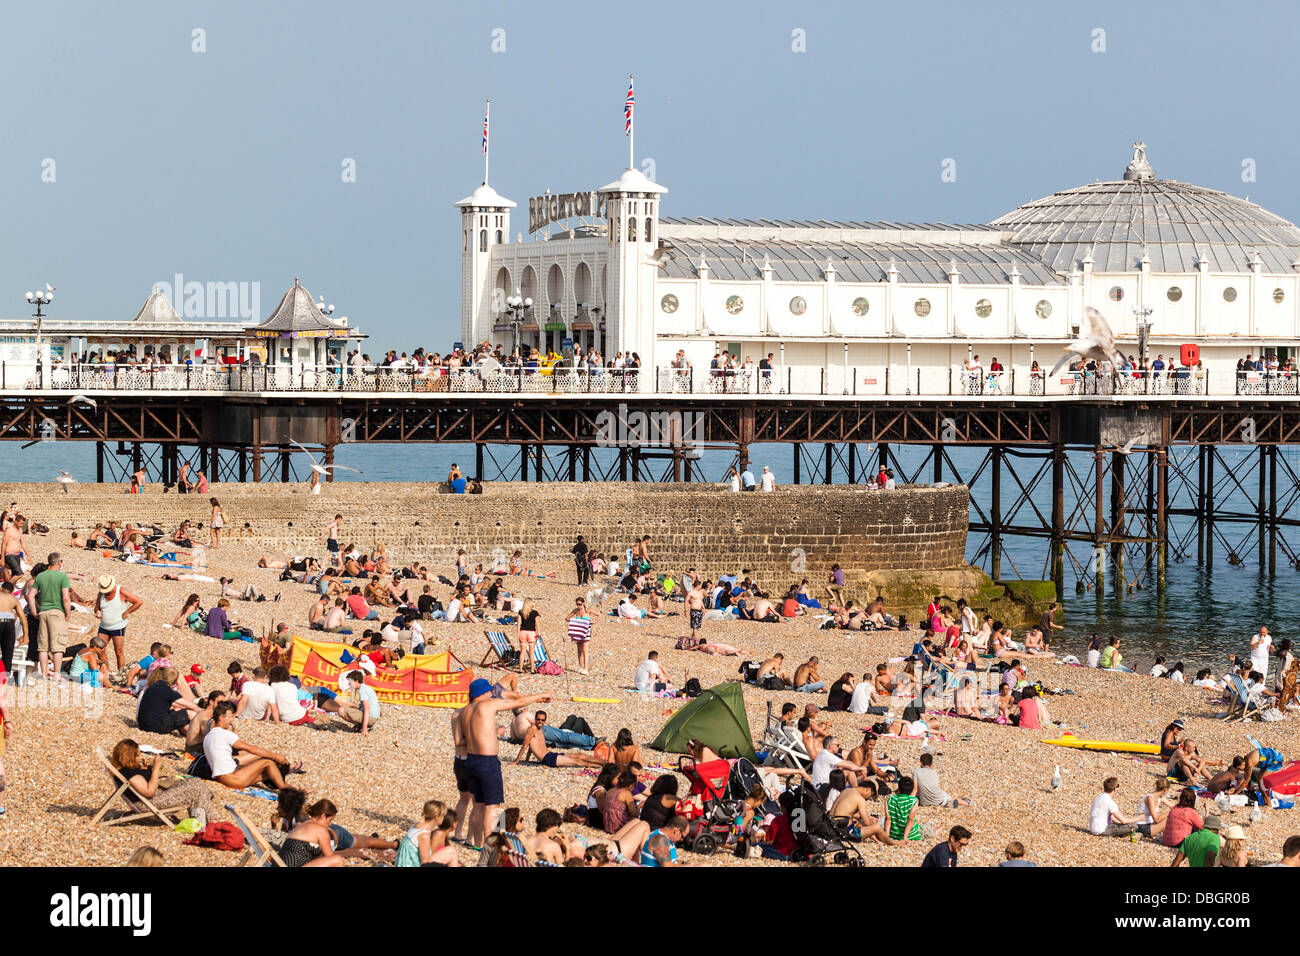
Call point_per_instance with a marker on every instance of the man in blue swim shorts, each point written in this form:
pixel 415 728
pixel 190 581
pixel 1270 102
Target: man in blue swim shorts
pixel 481 770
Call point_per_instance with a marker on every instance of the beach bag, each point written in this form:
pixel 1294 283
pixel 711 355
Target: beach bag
pixel 749 670
pixel 550 668
pixel 218 836
pixel 693 688
pixel 602 751
pixel 772 682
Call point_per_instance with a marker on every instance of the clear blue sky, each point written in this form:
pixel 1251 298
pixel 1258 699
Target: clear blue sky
pixel 225 165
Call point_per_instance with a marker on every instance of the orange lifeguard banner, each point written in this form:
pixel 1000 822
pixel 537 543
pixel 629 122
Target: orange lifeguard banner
pixel 424 680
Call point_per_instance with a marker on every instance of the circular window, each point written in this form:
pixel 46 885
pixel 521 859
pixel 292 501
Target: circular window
pixel 1278 296
pixel 861 306
pixel 1229 294
pixel 1174 293
pixel 668 303
pixel 798 305
pixel 922 307
pixel 1116 293
pixel 1044 308
pixel 735 304
pixel 983 308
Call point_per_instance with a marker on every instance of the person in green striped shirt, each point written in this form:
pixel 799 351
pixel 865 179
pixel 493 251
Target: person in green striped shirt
pixel 901 810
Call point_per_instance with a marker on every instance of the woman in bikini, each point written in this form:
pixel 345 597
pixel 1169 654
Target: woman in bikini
pixel 528 616
pixel 626 750
pixel 215 523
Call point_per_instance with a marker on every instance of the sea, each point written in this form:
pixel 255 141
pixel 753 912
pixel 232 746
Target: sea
pixel 1205 613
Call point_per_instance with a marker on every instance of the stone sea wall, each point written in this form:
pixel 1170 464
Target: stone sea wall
pixel 794 532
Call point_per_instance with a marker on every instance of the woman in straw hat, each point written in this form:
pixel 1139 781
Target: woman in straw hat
pixel 113 607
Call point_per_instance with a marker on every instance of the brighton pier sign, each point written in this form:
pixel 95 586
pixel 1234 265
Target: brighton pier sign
pixel 544 210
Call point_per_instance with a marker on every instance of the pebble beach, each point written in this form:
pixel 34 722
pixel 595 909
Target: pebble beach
pixel 379 782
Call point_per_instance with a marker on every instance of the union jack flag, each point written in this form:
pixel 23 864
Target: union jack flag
pixel 627 109
pixel 485 132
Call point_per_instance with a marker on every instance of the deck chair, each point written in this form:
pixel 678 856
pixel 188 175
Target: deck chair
pixel 507 655
pixel 783 750
pixel 539 653
pixel 514 853
pixel 133 802
pixel 260 852
pixel 1241 706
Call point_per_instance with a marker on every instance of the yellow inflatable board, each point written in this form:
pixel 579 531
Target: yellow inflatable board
pixel 1118 746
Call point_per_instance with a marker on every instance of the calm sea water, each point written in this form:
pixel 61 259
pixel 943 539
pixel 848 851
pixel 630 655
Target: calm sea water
pixel 1205 613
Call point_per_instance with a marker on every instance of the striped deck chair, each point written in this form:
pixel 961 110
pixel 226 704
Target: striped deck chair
pixel 1242 705
pixel 259 852
pixel 539 653
pixel 516 854
pixel 507 655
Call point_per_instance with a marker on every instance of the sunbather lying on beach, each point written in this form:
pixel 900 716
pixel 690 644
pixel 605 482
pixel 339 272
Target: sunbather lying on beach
pixel 534 745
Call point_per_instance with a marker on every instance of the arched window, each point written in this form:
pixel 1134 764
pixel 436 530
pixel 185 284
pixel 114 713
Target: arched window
pixel 464 241
pixel 498 237
pixel 631 229
pixel 482 240
pixel 649 224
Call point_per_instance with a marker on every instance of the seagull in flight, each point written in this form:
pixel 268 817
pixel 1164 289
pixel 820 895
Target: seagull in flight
pixel 320 469
pixel 1095 341
pixel 84 399
pixel 661 257
pixel 1127 447
pixel 65 479
pixel 596 596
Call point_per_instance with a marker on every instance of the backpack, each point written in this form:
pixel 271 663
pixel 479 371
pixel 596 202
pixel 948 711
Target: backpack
pixel 749 670
pixel 550 668
pixel 218 836
pixel 693 688
pixel 772 682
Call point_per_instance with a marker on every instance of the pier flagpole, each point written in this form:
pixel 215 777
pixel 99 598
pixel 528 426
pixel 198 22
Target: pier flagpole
pixel 487 107
pixel 628 123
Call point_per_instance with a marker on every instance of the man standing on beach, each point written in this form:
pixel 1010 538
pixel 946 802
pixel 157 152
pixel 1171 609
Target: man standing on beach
pixel 482 767
pixel 769 479
pixel 13 546
pixel 1260 644
pixel 54 608
pixel 332 539
pixel 747 482
pixel 695 607
pixel 580 562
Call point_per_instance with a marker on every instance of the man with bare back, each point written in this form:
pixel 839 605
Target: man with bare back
pixel 13 547
pixel 482 767
pixel 535 745
pixel 695 607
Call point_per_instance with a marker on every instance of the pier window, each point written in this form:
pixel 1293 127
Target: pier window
pixel 649 224
pixel 798 305
pixel 735 304
pixel 1229 294
pixel 922 307
pixel 1278 296
pixel 1116 293
pixel 1174 293
pixel 482 240
pixel 861 306
pixel 1044 309
pixel 668 303
pixel 983 308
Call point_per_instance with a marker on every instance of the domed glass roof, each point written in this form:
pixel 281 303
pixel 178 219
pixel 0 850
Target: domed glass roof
pixel 1173 223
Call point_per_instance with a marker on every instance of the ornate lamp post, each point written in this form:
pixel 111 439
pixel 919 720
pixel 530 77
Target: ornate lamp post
pixel 40 299
pixel 517 307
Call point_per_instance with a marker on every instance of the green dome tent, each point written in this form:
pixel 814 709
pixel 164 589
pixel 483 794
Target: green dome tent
pixel 716 718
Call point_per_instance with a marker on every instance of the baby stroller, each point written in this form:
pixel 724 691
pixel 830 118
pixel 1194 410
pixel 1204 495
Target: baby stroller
pixel 820 837
pixel 713 822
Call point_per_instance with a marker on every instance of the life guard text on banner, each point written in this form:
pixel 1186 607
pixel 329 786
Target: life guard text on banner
pixel 425 680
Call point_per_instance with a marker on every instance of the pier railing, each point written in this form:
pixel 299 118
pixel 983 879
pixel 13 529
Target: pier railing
pixel 792 380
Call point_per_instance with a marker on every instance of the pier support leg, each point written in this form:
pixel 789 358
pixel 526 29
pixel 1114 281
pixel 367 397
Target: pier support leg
pixel 938 464
pixel 1272 510
pixel 798 462
pixel 523 462
pixel 884 456
pixel 586 463
pixel 829 477
pixel 1118 521
pixel 1058 515
pixel 1262 503
pixel 329 460
pixel 257 464
pixel 995 516
pixel 853 463
pixel 539 469
pixel 1099 524
pixel 1207 513
pixel 99 462
pixel 284 466
pixel 1200 505
pixel 478 461
pixel 573 463
pixel 1162 518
